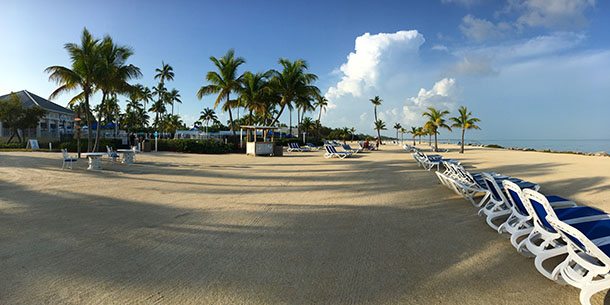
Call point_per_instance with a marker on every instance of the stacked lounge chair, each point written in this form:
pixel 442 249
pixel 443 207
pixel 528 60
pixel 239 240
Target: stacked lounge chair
pixel 331 152
pixel 543 226
pixel 293 146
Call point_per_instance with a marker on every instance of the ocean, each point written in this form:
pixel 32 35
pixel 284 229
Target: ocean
pixel 586 146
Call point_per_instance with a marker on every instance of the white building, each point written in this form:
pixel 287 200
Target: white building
pixel 57 121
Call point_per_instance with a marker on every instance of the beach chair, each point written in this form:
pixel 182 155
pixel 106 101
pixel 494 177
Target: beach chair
pixel 348 148
pixel 292 147
pixel 497 206
pixel 519 224
pixel 587 265
pixel 67 159
pixel 544 242
pixel 331 152
pixel 112 154
pixel 312 146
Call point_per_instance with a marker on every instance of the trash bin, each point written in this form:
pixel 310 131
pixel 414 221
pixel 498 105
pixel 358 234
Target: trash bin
pixel 278 150
pixel 147 146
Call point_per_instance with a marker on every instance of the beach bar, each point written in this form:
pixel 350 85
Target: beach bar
pixel 255 146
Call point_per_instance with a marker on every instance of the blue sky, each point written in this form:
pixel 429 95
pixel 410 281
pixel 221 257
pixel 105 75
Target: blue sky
pixel 528 68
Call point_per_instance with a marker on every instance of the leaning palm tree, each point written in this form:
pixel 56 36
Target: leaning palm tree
pixel 397 126
pixel 376 102
pixel 464 121
pixel 80 76
pixel 224 81
pixel 379 126
pixel 321 103
pixel 293 83
pixel 436 120
pixel 208 115
pixel 165 73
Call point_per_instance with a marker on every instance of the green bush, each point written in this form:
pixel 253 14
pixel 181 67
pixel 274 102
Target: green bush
pixel 13 145
pixel 73 144
pixel 209 146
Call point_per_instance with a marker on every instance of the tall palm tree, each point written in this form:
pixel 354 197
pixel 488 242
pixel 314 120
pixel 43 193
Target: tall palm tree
pixel 173 97
pixel 114 75
pixel 415 131
pixel 166 72
pixel 436 120
pixel 293 83
pixel 379 126
pixel 352 131
pixel 397 126
pixel 420 132
pixel 224 81
pixel 208 115
pixel 464 121
pixel 80 76
pixel 376 102
pixel 321 103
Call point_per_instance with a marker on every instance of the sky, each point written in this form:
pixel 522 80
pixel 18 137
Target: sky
pixel 529 69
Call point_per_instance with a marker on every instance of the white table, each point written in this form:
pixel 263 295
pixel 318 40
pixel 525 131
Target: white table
pixel 95 160
pixel 128 155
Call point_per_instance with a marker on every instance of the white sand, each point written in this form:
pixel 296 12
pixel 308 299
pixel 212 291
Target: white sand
pixel 232 229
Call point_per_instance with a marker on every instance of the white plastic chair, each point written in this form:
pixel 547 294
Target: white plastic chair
pixel 67 159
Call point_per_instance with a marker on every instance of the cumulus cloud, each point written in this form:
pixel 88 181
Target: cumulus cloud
pixel 442 95
pixel 480 30
pixel 552 14
pixel 364 64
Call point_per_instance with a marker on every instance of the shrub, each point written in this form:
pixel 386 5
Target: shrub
pixel 72 145
pixel 14 145
pixel 209 146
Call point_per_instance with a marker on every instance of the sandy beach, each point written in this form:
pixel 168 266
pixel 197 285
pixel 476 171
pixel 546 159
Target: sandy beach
pixel 300 229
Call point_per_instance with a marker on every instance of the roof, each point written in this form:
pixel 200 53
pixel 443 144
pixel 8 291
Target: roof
pixel 29 99
pixel 257 127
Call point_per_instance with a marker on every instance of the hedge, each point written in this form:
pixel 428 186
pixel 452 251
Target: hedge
pixel 72 145
pixel 209 146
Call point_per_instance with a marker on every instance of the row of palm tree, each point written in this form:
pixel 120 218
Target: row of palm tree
pixel 437 120
pixel 262 93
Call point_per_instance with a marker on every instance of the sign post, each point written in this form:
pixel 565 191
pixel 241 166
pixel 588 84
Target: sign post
pixel 156 137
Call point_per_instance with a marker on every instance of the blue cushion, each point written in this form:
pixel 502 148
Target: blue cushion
pixel 553 199
pixel 70 160
pixel 577 212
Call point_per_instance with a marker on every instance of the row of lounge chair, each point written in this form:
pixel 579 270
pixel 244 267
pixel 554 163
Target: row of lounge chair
pixel 543 226
pixel 331 151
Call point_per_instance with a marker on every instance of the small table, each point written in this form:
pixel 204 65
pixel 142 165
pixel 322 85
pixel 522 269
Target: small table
pixel 95 160
pixel 128 155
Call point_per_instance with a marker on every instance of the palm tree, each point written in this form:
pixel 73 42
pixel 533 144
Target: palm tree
pixel 420 132
pixel 436 120
pixel 113 75
pixel 402 134
pixel 321 103
pixel 158 107
pixel 415 131
pixel 379 126
pixel 464 121
pixel 397 126
pixel 253 93
pixel 376 102
pixel 173 97
pixel 293 83
pixel 81 76
pixel 208 115
pixel 352 131
pixel 165 73
pixel 224 81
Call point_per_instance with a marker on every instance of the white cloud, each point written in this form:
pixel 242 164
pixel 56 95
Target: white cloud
pixel 474 66
pixel 480 30
pixel 443 95
pixel 553 14
pixel 440 47
pixel 363 67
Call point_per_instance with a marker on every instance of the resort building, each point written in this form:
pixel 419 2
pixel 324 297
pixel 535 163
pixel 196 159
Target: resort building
pixel 57 121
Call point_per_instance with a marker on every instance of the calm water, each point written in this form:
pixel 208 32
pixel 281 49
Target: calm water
pixel 556 145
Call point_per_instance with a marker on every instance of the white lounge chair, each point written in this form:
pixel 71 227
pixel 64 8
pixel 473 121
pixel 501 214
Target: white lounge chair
pixel 67 159
pixel 293 146
pixel 112 154
pixel 544 242
pixel 497 206
pixel 519 224
pixel 587 265
pixel 312 146
pixel 348 148
pixel 331 152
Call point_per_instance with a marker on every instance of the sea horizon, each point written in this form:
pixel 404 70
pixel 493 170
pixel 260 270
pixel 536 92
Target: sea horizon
pixel 560 145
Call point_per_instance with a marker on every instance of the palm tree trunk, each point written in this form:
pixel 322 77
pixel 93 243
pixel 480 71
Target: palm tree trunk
pixel 435 142
pixel 375 112
pixel 320 115
pixel 462 149
pixel 232 125
pixel 99 122
pixel 298 120
pixel 414 141
pixel 88 118
pixel 379 136
pixel 278 115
